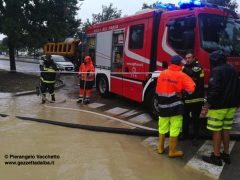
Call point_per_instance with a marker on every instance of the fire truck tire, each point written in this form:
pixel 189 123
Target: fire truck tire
pixel 103 86
pixel 151 102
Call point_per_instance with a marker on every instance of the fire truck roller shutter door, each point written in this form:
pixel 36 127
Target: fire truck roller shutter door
pixel 104 49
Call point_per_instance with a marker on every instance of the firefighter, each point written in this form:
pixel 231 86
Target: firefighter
pixel 222 102
pixel 193 102
pixel 86 73
pixel 48 78
pixel 170 84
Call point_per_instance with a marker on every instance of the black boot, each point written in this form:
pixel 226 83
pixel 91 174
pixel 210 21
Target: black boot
pixel 37 91
pixel 80 99
pixel 216 160
pixel 87 100
pixel 53 97
pixel 225 157
pixel 195 141
pixel 43 99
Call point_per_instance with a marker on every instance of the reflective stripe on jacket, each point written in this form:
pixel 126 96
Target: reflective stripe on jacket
pixel 46 81
pixel 195 71
pixel 48 74
pixel 87 68
pixel 170 84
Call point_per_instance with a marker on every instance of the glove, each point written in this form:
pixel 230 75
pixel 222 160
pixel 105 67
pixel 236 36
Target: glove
pixel 88 73
pixel 204 110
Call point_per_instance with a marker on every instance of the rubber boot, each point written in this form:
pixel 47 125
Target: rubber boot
pixel 80 99
pixel 43 99
pixel 87 100
pixel 53 97
pixel 161 143
pixel 173 152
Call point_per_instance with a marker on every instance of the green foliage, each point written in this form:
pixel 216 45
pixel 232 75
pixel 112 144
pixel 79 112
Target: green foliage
pixel 31 23
pixel 108 13
pixel 147 6
pixel 3 46
pixel 231 4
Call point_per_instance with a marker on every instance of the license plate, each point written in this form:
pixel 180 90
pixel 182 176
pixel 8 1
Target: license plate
pixel 69 69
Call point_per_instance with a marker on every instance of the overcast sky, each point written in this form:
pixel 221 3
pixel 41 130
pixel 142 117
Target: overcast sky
pixel 128 7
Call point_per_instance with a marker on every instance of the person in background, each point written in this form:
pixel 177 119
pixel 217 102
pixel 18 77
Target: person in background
pixel 223 98
pixel 86 73
pixel 48 78
pixel 193 102
pixel 170 85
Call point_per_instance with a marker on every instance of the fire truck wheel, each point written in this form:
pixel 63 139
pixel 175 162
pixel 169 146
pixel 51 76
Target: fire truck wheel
pixel 102 86
pixel 151 102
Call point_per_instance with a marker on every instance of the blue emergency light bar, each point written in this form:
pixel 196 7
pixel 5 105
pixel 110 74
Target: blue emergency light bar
pixel 183 4
pixel 169 7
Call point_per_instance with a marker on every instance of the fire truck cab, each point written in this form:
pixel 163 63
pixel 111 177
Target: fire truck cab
pixel 129 53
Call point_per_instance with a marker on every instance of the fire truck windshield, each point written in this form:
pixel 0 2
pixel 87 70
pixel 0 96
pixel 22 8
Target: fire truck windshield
pixel 220 32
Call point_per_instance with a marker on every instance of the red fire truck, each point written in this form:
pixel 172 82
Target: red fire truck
pixel 129 53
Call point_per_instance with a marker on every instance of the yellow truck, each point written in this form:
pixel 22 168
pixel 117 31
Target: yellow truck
pixel 70 49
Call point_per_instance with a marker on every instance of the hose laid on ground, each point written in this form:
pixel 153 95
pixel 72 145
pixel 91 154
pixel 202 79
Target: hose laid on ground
pixel 134 132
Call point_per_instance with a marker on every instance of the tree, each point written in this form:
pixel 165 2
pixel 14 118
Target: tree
pixel 231 4
pixel 147 6
pixel 34 22
pixel 3 45
pixel 108 13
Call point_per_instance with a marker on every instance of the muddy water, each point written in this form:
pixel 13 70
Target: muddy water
pixel 82 154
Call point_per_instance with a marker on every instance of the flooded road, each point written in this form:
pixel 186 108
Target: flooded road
pixel 82 154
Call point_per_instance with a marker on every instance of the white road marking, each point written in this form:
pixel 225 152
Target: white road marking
pixel 236 120
pixel 153 142
pixel 117 110
pixel 95 105
pixel 208 169
pixel 142 119
pixel 237 117
pixel 130 113
pixel 106 116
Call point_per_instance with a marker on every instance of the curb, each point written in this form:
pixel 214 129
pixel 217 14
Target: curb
pixel 24 93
